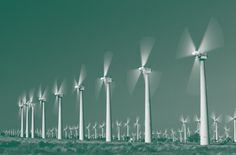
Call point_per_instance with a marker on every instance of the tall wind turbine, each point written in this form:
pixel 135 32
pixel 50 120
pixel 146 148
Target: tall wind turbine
pixel 127 127
pixel 216 121
pixel 58 92
pixel 212 39
pixel 21 111
pixel 80 88
pixel 88 130
pixel 107 83
pixel 233 118
pixel 26 105
pixel 102 128
pixel 197 120
pixel 118 124
pixel 146 48
pixel 32 106
pixel 42 100
pixel 184 122
pixel 137 125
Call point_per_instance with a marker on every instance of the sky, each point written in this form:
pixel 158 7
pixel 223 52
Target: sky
pixel 44 41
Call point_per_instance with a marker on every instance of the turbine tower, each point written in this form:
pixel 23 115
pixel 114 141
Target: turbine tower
pixel 213 39
pixel 80 88
pixel 59 95
pixel 42 101
pixel 88 130
pixel 146 47
pixel 107 83
pixel 21 111
pixel 233 118
pixel 216 120
pixel 95 131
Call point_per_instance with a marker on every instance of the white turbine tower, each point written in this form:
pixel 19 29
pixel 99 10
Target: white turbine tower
pixel 146 48
pixel 216 121
pixel 137 125
pixel 79 89
pixel 184 122
pixel 58 92
pixel 213 39
pixel 233 118
pixel 127 127
pixel 107 83
pixel 42 100
pixel 21 111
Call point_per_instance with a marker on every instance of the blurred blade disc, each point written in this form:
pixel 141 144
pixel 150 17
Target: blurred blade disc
pixel 186 45
pixel 146 46
pixel 213 37
pixel 133 76
pixel 228 119
pixel 40 92
pixel 62 87
pixel 45 92
pixel 193 86
pixel 82 75
pixel 55 88
pixel 75 84
pixel 155 77
pixel 107 62
pixel 98 88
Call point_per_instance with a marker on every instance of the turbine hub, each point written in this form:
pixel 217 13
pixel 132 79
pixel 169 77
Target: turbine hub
pixel 81 88
pixel 60 95
pixel 106 79
pixel 145 70
pixel 42 99
pixel 199 55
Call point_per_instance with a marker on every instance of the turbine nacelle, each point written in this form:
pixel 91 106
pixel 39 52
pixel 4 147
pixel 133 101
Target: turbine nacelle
pixel 106 79
pixel 79 87
pixel 200 55
pixel 145 70
pixel 59 95
pixel 42 99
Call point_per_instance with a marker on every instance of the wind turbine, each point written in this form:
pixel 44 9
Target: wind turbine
pixel 233 118
pixel 58 92
pixel 95 131
pixel 88 130
pixel 216 120
pixel 118 124
pixel 107 83
pixel 42 100
pixel 184 122
pixel 26 105
pixel 146 47
pixel 173 135
pixel 227 130
pixel 197 120
pixel 21 110
pixel 102 128
pixel 32 105
pixel 137 125
pixel 180 135
pixel 127 127
pixel 80 88
pixel 212 39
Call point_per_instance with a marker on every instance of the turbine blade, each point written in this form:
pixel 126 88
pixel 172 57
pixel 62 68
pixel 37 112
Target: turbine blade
pixel 40 92
pixel 98 88
pixel 186 45
pixel 62 87
pixel 146 47
pixel 133 76
pixel 82 75
pixel 45 93
pixel 107 62
pixel 213 37
pixel 155 77
pixel 229 119
pixel 193 86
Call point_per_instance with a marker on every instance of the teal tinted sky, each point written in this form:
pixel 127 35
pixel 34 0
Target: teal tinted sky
pixel 42 41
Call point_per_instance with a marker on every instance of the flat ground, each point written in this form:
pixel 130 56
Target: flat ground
pixel 17 146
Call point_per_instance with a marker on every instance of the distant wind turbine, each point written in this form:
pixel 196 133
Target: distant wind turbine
pixel 42 100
